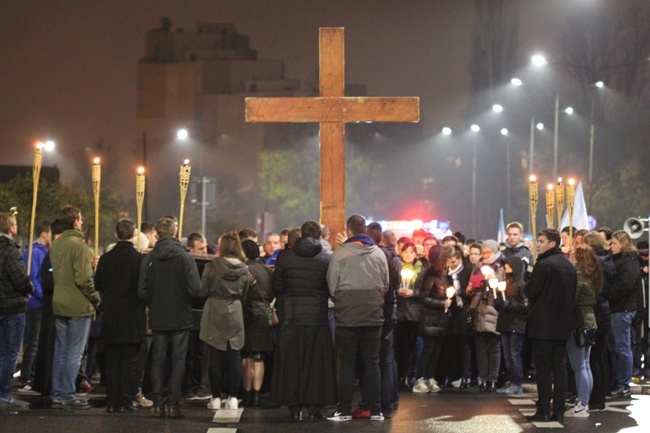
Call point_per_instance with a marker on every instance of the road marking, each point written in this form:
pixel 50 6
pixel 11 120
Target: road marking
pixel 521 402
pixel 228 416
pixel 222 430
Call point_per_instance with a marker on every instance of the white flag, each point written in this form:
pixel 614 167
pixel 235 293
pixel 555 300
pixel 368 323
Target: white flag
pixel 580 217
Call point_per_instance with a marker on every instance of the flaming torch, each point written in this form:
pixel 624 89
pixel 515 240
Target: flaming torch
pixel 139 198
pixel 36 174
pixel 96 180
pixel 550 204
pixel 184 182
pixel 533 199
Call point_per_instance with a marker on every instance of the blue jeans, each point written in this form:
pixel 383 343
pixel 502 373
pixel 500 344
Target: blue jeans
pixel 71 338
pixel 620 340
pixel 512 346
pixel 11 333
pixel 30 343
pixel 579 360
pixel 178 341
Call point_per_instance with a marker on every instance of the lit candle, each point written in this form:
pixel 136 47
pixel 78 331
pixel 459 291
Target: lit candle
pixel 184 177
pixel 533 199
pixel 139 198
pixel 96 181
pixel 494 283
pixel 502 288
pixel 450 294
pixel 407 276
pixel 550 204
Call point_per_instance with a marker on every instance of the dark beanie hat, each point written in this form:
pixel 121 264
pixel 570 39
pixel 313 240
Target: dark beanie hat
pixel 251 249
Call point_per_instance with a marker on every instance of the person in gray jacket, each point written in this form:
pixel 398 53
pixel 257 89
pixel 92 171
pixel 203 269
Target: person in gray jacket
pixel 358 280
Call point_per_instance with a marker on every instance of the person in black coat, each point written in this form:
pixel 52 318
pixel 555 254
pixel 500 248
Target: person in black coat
pixel 550 291
pixel 123 325
pixel 303 367
pixel 622 304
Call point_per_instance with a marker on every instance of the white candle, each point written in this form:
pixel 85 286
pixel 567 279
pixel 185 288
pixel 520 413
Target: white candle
pixel 502 289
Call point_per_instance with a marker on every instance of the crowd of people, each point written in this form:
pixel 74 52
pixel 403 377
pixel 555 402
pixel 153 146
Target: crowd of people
pixel 164 319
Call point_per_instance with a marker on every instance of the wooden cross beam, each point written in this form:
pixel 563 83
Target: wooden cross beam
pixel 332 110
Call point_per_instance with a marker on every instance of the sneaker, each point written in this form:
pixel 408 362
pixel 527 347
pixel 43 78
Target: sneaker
pixel 72 404
pixel 360 413
pixel 232 403
pixel 340 416
pixel 13 405
pixel 421 386
pixel 201 394
pixel 578 411
pixel 513 390
pixel 377 417
pixel 190 396
pixel 142 401
pixel 27 389
pixel 621 392
pixel 433 385
pixel 214 404
pixel 85 387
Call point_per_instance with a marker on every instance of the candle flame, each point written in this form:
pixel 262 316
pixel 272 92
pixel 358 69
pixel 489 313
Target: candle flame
pixel 533 178
pixel 140 170
pixel 502 285
pixel 451 292
pixel 96 160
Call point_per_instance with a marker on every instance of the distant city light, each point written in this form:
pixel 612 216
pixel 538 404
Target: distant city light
pixel 49 145
pixel 599 84
pixel 182 134
pixel 540 126
pixel 568 110
pixel 504 131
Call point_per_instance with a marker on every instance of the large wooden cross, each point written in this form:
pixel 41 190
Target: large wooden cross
pixel 332 110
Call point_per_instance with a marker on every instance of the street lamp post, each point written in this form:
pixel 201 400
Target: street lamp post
pixel 504 132
pixel 599 84
pixel 474 128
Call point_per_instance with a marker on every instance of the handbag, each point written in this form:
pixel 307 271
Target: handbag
pixel 585 336
pixel 269 309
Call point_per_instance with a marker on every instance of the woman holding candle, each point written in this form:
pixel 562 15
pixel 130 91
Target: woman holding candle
pixel 511 323
pixel 590 283
pixel 433 320
pixel 488 342
pixel 408 312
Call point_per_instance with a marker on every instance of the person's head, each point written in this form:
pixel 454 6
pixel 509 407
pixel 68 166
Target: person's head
pixel 310 229
pixel 594 241
pixel 547 239
pixel 8 224
pixel 401 242
pixel 284 237
pixel 248 234
pixel 229 246
pixel 475 253
pixel 150 233
pixel 356 225
pixel 427 243
pixel 197 244
pixel 514 233
pixel 388 238
pixel 57 229
pixel 446 253
pixel 589 266
pixel 642 249
pixel 293 236
pixel 579 238
pixel 564 235
pixel 621 243
pixel 124 229
pixel 44 231
pixel 460 237
pixel 606 234
pixel 325 232
pixel 409 252
pixel 489 248
pixel 418 236
pixel 456 258
pixel 450 240
pixel 272 243
pixel 70 217
pixel 374 230
pixel 251 249
pixel 166 228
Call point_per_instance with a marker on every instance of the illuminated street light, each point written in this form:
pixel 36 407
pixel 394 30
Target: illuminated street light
pixel 516 82
pixel 475 128
pixel 497 108
pixel 49 145
pixel 446 130
pixel 568 110
pixel 182 134
pixel 539 126
pixel 599 84
pixel 504 131
pixel 539 60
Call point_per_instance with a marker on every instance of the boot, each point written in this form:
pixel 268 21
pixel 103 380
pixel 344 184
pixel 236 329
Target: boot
pixel 491 386
pixel 256 397
pixel 248 399
pixel 464 383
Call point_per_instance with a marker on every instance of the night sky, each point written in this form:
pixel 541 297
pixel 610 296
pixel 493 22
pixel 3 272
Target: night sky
pixel 68 67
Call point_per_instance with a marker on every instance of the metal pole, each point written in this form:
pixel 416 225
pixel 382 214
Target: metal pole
pixel 591 149
pixel 203 203
pixel 557 115
pixel 530 169
pixel 507 179
pixel 474 190
pixel 144 164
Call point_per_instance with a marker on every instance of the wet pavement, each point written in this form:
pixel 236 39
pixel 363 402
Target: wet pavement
pixel 449 412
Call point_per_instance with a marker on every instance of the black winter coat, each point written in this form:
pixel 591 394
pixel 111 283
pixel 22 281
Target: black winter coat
pixel 513 312
pixel 169 280
pixel 300 278
pixel 433 319
pixel 458 318
pixel 551 293
pixel 622 290
pixel 116 279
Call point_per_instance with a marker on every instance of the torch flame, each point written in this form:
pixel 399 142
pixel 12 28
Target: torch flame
pixel 140 170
